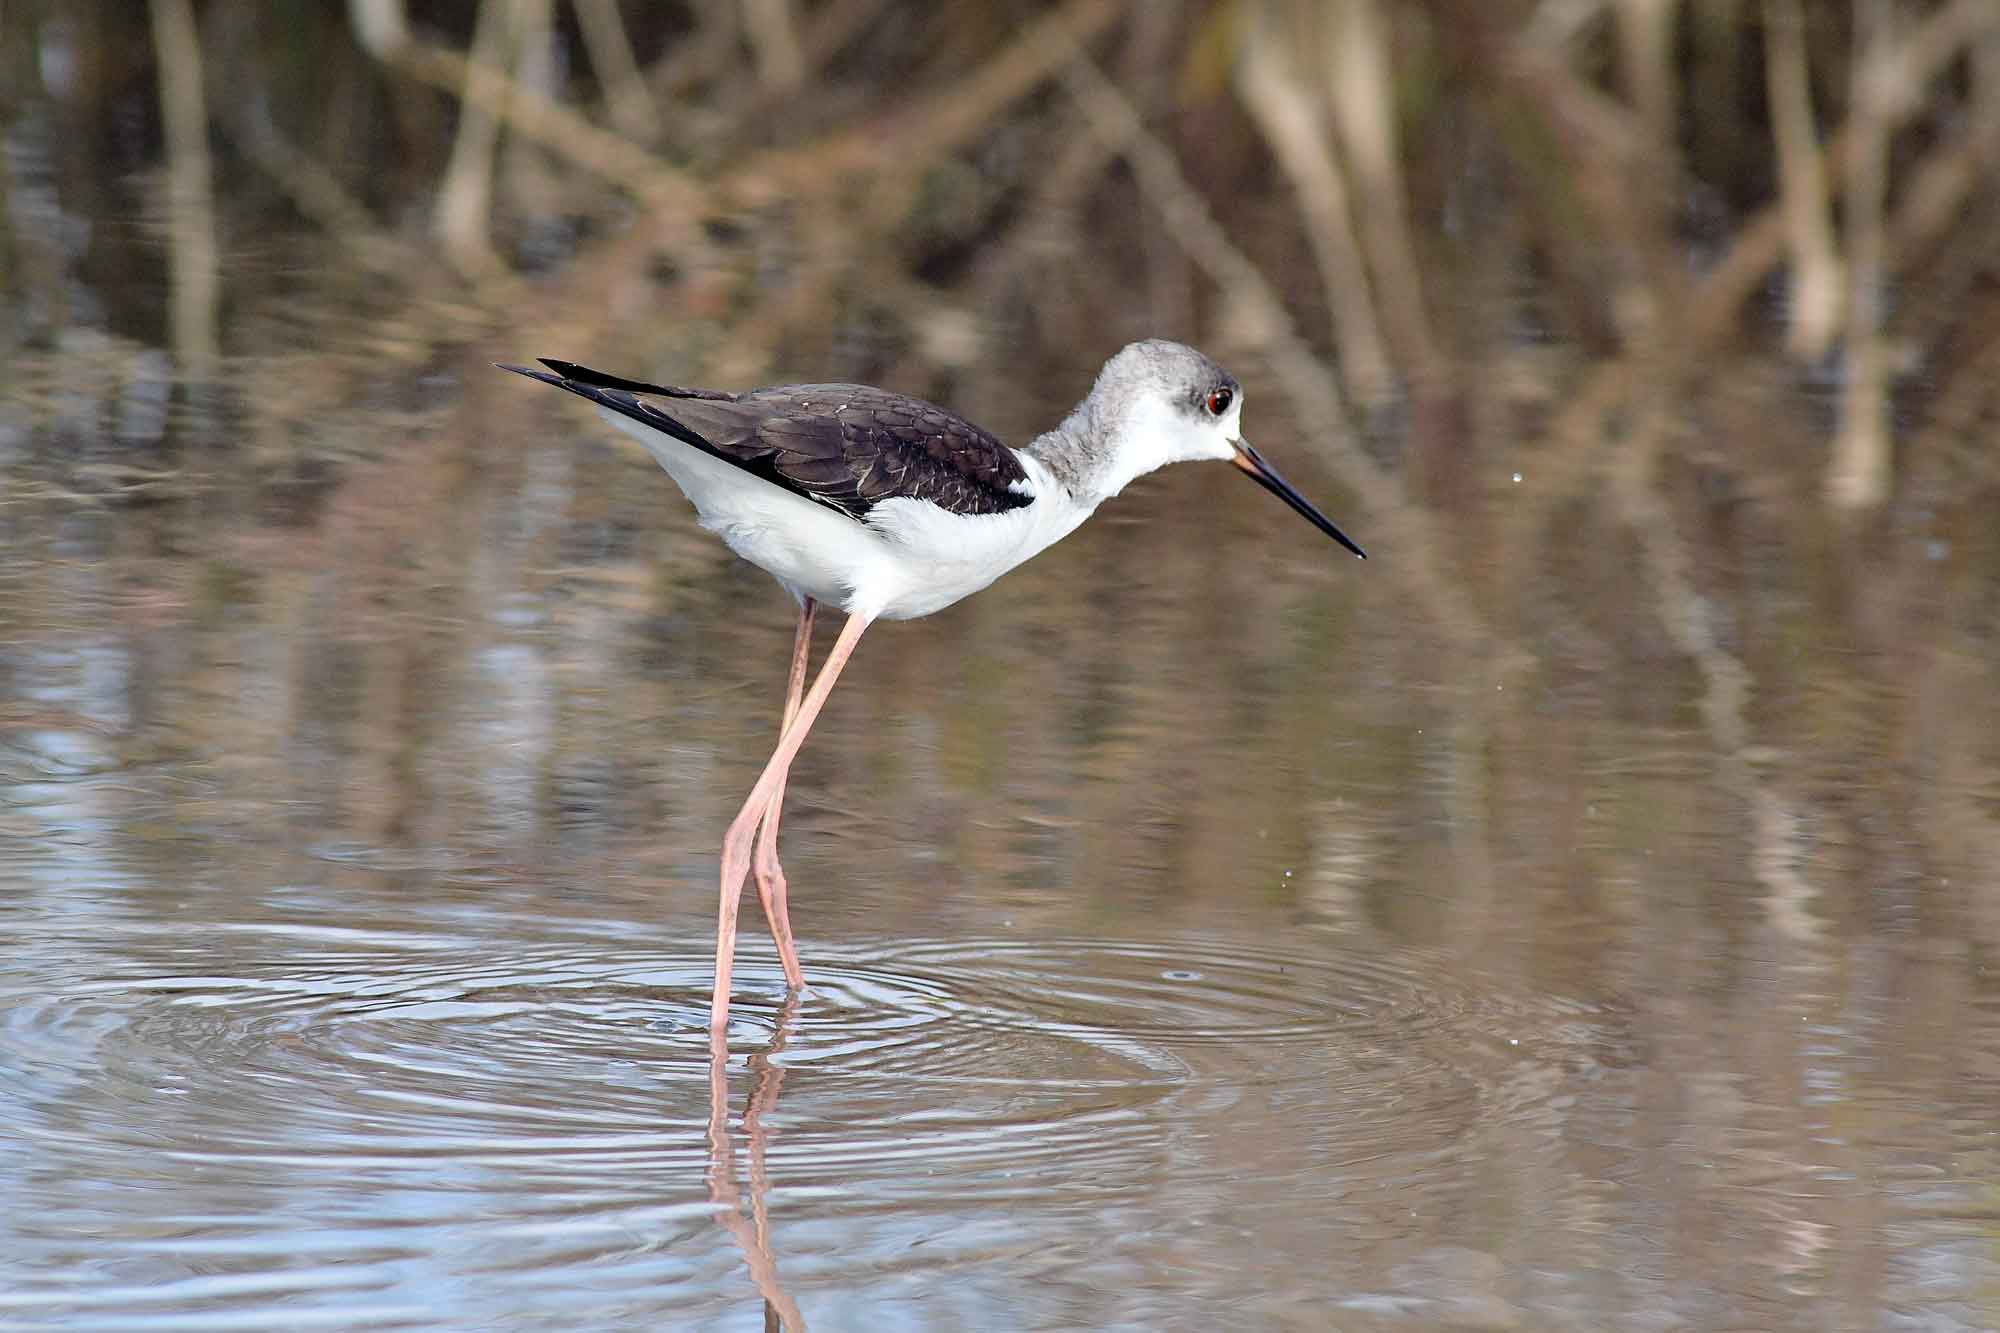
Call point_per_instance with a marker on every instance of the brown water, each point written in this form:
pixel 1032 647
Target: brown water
pixel 1189 945
pixel 1205 930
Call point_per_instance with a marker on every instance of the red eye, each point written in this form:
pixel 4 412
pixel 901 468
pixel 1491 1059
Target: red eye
pixel 1219 401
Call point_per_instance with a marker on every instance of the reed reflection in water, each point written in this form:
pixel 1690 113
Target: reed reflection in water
pixel 358 952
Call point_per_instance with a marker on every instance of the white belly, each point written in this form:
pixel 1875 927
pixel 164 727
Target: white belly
pixel 814 551
pixel 943 556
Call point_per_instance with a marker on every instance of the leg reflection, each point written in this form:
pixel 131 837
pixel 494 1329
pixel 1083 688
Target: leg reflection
pixel 752 1234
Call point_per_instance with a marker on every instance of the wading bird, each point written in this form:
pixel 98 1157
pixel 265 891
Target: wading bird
pixel 891 508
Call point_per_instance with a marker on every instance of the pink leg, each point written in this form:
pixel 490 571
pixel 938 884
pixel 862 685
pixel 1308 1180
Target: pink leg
pixel 743 829
pixel 770 876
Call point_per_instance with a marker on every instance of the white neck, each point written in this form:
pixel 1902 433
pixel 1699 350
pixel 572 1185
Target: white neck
pixel 1059 507
pixel 1097 452
pixel 1090 458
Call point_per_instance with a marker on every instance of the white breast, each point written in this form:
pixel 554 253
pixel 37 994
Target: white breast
pixel 944 556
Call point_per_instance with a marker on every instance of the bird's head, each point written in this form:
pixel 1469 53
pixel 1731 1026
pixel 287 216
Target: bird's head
pixel 1158 402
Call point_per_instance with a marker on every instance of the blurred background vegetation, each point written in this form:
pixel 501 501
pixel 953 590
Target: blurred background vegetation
pixel 1587 304
pixel 1453 233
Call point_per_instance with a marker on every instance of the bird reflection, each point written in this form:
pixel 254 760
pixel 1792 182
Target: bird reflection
pixel 752 1234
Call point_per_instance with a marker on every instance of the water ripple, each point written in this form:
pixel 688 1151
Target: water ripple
pixel 323 1112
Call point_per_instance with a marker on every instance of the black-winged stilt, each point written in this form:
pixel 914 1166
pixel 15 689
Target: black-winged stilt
pixel 891 508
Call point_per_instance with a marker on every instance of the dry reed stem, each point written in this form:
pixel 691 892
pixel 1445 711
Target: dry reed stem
pixel 1728 684
pixel 465 196
pixel 1935 191
pixel 774 37
pixel 915 137
pixel 838 164
pixel 1580 432
pixel 1613 155
pixel 1359 58
pixel 381 26
pixel 1289 117
pixel 194 269
pixel 1930 45
pixel 627 99
pixel 1646 61
pixel 711 55
pixel 891 162
pixel 1802 190
pixel 525 166
pixel 316 191
pixel 1263 323
pixel 1149 61
pixel 1858 474
pixel 564 132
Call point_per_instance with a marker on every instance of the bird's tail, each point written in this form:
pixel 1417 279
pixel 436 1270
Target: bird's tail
pixel 617 395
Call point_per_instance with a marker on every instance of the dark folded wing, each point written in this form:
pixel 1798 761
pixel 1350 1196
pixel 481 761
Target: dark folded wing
pixel 847 446
pixel 854 447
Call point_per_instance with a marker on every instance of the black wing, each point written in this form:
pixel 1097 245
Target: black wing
pixel 843 445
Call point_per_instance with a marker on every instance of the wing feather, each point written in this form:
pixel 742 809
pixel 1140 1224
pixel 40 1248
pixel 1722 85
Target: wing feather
pixel 847 446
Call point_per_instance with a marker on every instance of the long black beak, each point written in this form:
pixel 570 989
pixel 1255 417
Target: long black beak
pixel 1265 475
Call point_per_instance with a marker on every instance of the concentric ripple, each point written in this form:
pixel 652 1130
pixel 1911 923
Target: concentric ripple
pixel 408 1101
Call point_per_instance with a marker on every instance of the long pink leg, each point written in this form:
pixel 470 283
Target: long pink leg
pixel 743 829
pixel 770 876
